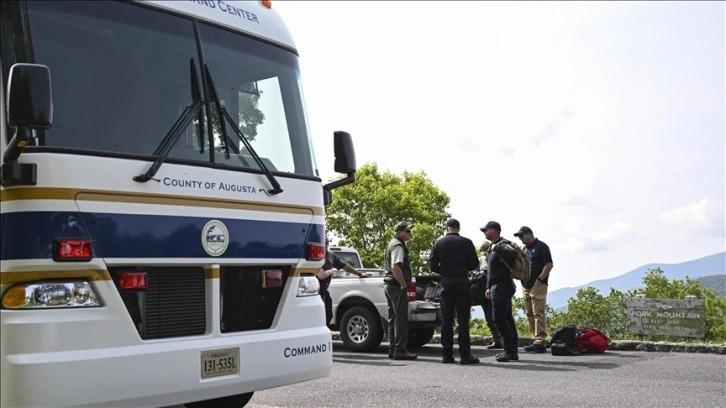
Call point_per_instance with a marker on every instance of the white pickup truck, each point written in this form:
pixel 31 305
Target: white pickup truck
pixel 360 310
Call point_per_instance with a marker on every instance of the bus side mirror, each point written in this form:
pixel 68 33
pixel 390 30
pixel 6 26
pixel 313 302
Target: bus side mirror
pixel 344 163
pixel 30 106
pixel 344 153
pixel 30 100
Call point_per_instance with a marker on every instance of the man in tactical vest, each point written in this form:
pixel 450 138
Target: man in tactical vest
pixel 398 276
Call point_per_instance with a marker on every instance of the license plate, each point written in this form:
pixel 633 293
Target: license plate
pixel 217 363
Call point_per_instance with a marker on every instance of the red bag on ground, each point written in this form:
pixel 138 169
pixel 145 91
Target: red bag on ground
pixel 592 341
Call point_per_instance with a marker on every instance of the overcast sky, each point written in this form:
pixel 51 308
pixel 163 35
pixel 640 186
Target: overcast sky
pixel 599 125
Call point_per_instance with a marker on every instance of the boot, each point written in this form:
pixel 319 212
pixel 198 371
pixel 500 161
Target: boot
pixel 495 344
pixel 404 355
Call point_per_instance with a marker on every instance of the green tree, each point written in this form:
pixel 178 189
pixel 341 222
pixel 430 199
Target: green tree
pixel 591 309
pixel 364 213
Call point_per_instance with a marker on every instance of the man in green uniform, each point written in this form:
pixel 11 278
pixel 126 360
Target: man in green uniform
pixel 398 276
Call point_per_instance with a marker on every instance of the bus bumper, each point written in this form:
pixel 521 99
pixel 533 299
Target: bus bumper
pixel 162 373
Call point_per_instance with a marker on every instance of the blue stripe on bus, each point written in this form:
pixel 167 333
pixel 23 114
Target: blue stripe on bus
pixel 30 235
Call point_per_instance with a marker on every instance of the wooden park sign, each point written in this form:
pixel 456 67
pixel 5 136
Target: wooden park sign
pixel 669 317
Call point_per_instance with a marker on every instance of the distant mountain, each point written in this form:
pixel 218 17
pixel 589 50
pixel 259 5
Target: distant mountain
pixel 703 267
pixel 715 282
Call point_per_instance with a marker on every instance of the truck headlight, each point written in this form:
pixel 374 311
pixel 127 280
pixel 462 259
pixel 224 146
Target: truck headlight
pixel 307 286
pixel 55 294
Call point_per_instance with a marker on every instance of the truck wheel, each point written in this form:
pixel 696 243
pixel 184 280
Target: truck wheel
pixel 360 329
pixel 232 401
pixel 420 337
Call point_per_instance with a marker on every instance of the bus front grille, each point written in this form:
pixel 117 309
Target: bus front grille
pixel 172 305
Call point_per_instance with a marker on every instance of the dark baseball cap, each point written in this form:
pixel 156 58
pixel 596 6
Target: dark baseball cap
pixel 522 231
pixel 491 224
pixel 453 223
pixel 402 226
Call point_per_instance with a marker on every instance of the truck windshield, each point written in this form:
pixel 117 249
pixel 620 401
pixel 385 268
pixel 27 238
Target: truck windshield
pixel 120 75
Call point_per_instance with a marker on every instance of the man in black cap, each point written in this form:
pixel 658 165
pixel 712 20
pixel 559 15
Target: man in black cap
pixel 398 276
pixel 534 290
pixel 479 285
pixel 325 274
pixel 452 257
pixel 500 289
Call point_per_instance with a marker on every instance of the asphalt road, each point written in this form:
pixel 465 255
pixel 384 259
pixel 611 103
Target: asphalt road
pixel 613 379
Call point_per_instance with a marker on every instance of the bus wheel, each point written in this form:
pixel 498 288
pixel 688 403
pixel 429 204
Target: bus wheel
pixel 360 329
pixel 233 401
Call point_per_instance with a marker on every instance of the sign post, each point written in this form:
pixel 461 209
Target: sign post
pixel 669 317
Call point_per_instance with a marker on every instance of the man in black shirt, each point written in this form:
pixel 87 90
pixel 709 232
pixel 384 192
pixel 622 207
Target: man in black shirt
pixel 325 274
pixel 500 289
pixel 480 284
pixel 534 290
pixel 452 257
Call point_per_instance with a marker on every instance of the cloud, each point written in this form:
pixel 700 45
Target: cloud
pixel 468 145
pixel 590 203
pixel 507 151
pixel 584 240
pixel 702 217
pixel 550 131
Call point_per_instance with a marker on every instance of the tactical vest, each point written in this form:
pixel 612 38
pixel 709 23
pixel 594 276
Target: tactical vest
pixel 405 267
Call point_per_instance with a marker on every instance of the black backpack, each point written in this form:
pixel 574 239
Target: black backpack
pixel 559 348
pixel 565 334
pixel 478 289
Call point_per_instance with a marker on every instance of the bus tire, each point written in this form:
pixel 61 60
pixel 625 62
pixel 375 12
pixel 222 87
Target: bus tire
pixel 360 329
pixel 232 401
pixel 420 337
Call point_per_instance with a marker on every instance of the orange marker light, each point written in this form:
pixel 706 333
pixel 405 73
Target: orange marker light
pixel 14 297
pixel 267 3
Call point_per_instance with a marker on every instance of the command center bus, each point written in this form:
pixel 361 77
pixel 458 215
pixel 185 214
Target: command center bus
pixel 162 213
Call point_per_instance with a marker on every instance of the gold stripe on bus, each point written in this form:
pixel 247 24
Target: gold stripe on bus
pixel 102 274
pixel 37 193
pixel 303 271
pixel 31 276
pixel 42 193
pixel 214 273
pixel 211 273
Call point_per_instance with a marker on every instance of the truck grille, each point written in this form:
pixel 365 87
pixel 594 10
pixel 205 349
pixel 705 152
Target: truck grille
pixel 173 304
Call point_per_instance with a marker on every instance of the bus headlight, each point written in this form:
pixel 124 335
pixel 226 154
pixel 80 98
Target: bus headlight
pixel 307 286
pixel 39 295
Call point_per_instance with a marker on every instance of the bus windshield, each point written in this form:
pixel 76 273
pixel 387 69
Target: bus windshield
pixel 121 79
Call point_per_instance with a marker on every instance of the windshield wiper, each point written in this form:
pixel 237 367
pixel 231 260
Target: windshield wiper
pixel 224 115
pixel 184 119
